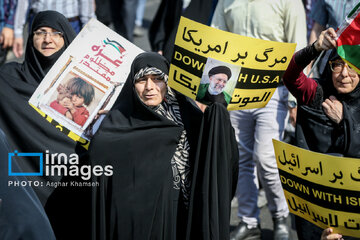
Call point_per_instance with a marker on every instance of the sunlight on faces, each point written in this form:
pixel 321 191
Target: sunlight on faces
pixel 217 83
pixel 344 78
pixel 151 89
pixel 47 45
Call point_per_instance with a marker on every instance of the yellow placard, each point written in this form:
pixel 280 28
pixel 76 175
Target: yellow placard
pixel 184 82
pixel 247 99
pixel 320 188
pixel 344 223
pixel 232 48
pixel 255 64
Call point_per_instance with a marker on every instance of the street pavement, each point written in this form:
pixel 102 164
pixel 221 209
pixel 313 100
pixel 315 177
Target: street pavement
pixel 266 223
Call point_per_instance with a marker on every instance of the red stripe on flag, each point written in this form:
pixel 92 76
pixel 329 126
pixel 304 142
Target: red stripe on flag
pixel 351 35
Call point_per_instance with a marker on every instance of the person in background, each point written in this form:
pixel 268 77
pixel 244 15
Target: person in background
pixel 163 28
pixel 282 21
pixel 7 14
pixel 78 13
pixel 123 15
pixel 139 31
pixel 102 11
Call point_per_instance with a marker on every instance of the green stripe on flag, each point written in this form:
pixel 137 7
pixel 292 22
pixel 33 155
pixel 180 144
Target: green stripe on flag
pixel 353 10
pixel 349 35
pixel 350 53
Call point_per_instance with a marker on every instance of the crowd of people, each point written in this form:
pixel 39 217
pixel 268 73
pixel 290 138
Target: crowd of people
pixel 176 163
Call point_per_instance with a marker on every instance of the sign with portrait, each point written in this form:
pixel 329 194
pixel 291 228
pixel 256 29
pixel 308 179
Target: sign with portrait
pixel 85 81
pixel 323 189
pixel 210 65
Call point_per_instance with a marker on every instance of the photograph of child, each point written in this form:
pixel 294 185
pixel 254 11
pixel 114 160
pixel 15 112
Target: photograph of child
pixel 72 99
pixel 63 101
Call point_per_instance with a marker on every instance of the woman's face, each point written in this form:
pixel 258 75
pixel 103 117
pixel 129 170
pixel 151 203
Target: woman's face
pixel 48 40
pixel 345 79
pixel 151 89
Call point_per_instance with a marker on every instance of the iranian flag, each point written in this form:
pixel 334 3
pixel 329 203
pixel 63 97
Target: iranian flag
pixel 349 39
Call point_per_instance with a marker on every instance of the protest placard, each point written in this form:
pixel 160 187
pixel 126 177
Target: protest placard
pixel 251 68
pixel 323 189
pixel 85 81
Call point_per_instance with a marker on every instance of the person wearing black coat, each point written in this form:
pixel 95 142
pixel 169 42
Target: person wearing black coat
pixel 174 169
pixel 21 213
pixel 29 132
pixel 328 117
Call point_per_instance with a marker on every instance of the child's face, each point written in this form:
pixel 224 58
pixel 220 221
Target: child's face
pixel 65 102
pixel 78 101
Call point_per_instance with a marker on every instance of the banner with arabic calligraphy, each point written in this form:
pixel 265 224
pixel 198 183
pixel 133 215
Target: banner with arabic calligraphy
pixel 242 72
pixel 95 67
pixel 323 189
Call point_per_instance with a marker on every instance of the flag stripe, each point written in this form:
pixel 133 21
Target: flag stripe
pixel 350 36
pixel 353 10
pixel 353 67
pixel 349 39
pixel 351 54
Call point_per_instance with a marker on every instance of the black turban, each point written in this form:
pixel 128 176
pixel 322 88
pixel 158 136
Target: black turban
pixel 220 69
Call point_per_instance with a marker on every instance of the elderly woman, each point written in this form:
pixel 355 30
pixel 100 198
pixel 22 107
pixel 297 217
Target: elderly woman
pixel 173 168
pixel 332 103
pixel 28 131
pixel 25 129
pixel 329 111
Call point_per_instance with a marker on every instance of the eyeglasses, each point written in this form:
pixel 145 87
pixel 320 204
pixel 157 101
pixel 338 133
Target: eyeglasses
pixel 153 78
pixel 338 66
pixel 53 35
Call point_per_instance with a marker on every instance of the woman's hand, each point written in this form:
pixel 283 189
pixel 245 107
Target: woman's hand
pixel 101 112
pixel 201 106
pixel 333 108
pixel 328 234
pixel 326 40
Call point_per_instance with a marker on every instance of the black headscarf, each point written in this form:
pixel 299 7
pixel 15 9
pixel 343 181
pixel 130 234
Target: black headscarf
pixel 139 201
pixel 27 130
pixel 315 131
pixel 35 66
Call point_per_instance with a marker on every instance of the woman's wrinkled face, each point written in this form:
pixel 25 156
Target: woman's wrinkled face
pixel 48 40
pixel 344 78
pixel 151 89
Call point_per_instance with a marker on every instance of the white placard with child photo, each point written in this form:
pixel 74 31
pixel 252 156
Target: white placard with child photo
pixel 84 83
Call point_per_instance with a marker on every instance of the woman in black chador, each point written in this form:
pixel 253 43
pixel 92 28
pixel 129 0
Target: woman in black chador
pixel 329 110
pixel 27 131
pixel 174 169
